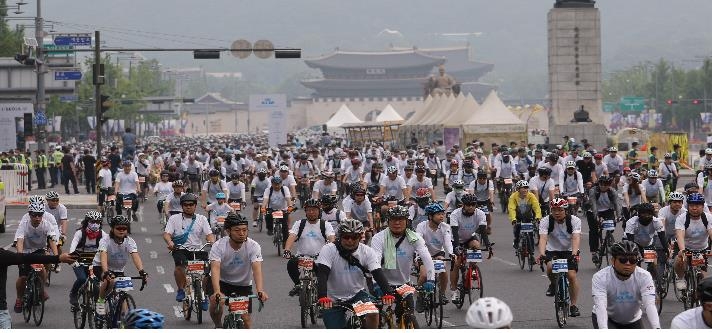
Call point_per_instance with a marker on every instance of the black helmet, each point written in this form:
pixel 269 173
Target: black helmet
pixel 312 203
pixel 689 186
pixel 646 207
pixel 544 172
pixel 188 197
pixel 235 176
pixel 481 173
pixel 625 248
pixel 469 198
pixel 234 219
pixel 329 199
pixel 604 180
pixel 398 211
pixel 356 188
pixel 214 173
pixel 119 220
pixel 704 289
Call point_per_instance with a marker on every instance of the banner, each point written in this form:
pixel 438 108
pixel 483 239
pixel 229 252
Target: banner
pixel 706 117
pixel 276 105
pixel 92 121
pixel 658 119
pixel 8 125
pixel 451 137
pixel 56 122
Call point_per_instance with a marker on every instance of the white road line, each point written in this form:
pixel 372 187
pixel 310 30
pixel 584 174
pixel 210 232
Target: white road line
pixel 153 254
pixel 504 261
pixel 178 311
pixel 148 240
pixel 143 229
pixel 169 288
pixel 160 270
pixel 447 323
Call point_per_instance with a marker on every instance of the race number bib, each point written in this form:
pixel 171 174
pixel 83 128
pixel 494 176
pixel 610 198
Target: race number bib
pixel 277 214
pixel 439 266
pixel 560 266
pixel 527 227
pixel 650 256
pixel 474 256
pixel 238 305
pixel 608 225
pixel 123 283
pixel 235 205
pixel 405 290
pixel 128 203
pixel 196 267
pixel 364 308
pixel 306 263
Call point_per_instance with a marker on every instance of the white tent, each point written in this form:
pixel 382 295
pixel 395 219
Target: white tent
pixel 463 111
pixel 493 117
pixel 342 116
pixel 388 114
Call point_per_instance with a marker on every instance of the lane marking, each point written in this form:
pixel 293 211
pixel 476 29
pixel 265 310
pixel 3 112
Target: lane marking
pixel 504 261
pixel 143 229
pixel 447 323
pixel 153 254
pixel 178 311
pixel 160 270
pixel 169 288
pixel 148 240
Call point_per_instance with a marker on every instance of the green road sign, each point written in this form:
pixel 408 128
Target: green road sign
pixel 609 107
pixel 58 50
pixel 632 103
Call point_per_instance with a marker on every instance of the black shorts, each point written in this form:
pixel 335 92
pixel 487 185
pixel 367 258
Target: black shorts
pixel 181 257
pixel 230 289
pixel 24 269
pixel 573 264
pixel 476 237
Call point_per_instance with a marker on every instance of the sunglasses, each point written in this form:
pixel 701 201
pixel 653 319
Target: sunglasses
pixel 188 204
pixel 351 236
pixel 36 214
pixel 628 260
pixel 121 228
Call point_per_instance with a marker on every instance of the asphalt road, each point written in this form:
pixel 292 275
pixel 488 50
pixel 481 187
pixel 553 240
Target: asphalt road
pixel 522 290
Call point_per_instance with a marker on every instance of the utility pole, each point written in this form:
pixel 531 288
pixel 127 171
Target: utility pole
pixel 97 92
pixel 41 106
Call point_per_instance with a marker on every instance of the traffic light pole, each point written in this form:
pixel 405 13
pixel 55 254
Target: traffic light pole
pixel 97 94
pixel 41 106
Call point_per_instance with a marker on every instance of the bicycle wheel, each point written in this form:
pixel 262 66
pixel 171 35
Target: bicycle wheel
pixel 439 314
pixel 278 238
pixel 609 242
pixel 198 300
pixel 27 298
pixel 520 255
pixel 260 221
pixel 409 322
pixel 313 308
pixel 304 304
pixel 187 309
pixel 78 313
pixel 88 301
pixel 429 308
pixel 230 321
pixel 125 304
pixel 38 304
pixel 387 320
pixel 478 287
pixel 561 303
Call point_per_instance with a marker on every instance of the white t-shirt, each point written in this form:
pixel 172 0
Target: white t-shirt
pixel 404 258
pixel 541 187
pixel 277 200
pixel 622 300
pixel 127 182
pixel 415 184
pixel 178 224
pixel 696 236
pixel 236 192
pixel 394 187
pixel 321 187
pixel 467 225
pixel 163 189
pixel 211 189
pixel 105 175
pixel 559 239
pixel 435 240
pixel 346 280
pixel 644 235
pixel 691 319
pixel 358 212
pixel 117 254
pixel 36 238
pixel 311 240
pixel 669 219
pixel 59 212
pixel 89 244
pixel 236 265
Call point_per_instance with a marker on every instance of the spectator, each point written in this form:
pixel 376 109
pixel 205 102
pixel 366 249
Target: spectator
pixel 129 141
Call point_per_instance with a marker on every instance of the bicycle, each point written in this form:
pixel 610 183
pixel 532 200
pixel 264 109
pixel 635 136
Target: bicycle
pixel 108 206
pixel 605 241
pixel 304 189
pixel 88 293
pixel 650 257
pixel 407 319
pixel 308 305
pixel 562 299
pixel 260 215
pixel 505 191
pixel 277 225
pixel 118 302
pixel 127 205
pixel 219 225
pixel 695 260
pixel 525 251
pixel 237 306
pixel 434 308
pixel 194 292
pixel 144 188
pixel 356 312
pixel 33 305
pixel 471 275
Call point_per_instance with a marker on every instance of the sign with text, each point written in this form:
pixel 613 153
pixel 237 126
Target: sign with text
pixel 632 103
pixel 8 129
pixel 276 105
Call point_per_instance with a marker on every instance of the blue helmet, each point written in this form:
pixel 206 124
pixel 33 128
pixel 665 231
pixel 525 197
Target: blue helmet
pixel 142 318
pixel 276 180
pixel 220 195
pixel 434 208
pixel 695 198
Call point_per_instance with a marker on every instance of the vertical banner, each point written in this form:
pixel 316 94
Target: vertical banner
pixel 121 126
pixel 451 137
pixel 658 120
pixel 706 117
pixel 8 125
pixel 276 106
pixel 92 121
pixel 56 123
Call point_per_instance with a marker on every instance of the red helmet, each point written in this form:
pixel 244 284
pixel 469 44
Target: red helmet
pixel 422 192
pixel 598 156
pixel 454 162
pixel 559 203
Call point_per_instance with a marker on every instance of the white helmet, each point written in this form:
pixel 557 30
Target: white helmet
pixel 489 313
pixel 571 164
pixel 676 196
pixel 392 169
pixel 708 151
pixel 38 199
pixel 522 183
pixel 613 149
pixel 36 207
pixel 652 174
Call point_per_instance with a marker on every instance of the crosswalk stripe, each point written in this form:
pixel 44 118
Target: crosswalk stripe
pixel 169 288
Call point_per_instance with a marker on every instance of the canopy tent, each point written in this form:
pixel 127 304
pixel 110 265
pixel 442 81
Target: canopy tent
pixel 423 111
pixel 464 110
pixel 494 122
pixel 342 116
pixel 388 114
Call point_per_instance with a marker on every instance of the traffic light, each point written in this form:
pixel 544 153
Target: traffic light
pixel 206 54
pixel 106 104
pixel 669 102
pixel 24 59
pixel 696 101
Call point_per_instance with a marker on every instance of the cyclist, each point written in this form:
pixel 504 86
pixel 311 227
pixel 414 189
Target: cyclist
pixel 309 234
pixel 353 173
pixel 433 164
pixel 420 181
pixel 86 239
pixel 451 176
pixel 142 318
pixel 701 316
pixel 669 214
pixel 114 253
pixel 142 166
pixel 276 197
pixel 483 189
pixel 643 228
pixel 523 206
pixel 326 185
pixel 172 205
pixel 187 230
pixel 235 265
pixel 654 188
pixel 693 232
pixel 126 186
pixel 453 200
pixel 358 207
pixel 505 167
pixel 304 168
pixel 633 194
pixel 613 161
pixel 211 187
pixel 468 174
pixel 397 246
pixel 600 168
pixel 288 179
pixel 392 186
pixel 192 172
pixel 218 209
pixel 341 270
pixel 622 291
pixel 489 313
pixel 373 179
pixel 35 231
pixel 571 181
pixel 466 223
pixel 552 163
pixel 438 241
pixel 162 189
pixel 104 180
pixel 560 237
pixel 668 171
pixel 587 168
pixel 605 207
pixel 236 188
pixel 704 183
pixel 257 187
pixel 59 211
pixel 416 213
pixel 543 187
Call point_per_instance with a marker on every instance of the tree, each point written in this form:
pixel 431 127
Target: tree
pixel 10 39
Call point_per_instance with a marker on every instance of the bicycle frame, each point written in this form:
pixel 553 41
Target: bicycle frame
pixel 238 308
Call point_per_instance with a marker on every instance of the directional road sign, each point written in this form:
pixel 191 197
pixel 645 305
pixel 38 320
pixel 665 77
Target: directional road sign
pixel 68 75
pixel 73 40
pixel 40 118
pixel 632 103
pixel 609 107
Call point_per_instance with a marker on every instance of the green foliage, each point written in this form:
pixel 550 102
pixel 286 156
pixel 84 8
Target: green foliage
pixel 10 39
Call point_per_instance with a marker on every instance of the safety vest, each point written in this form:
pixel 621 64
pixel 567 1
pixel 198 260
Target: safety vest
pixel 57 157
pixel 42 161
pixel 29 163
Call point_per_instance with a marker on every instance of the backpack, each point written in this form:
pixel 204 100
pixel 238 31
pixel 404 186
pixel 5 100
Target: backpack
pixel 303 224
pixel 611 196
pixel 83 240
pixel 704 220
pixel 569 227
pixel 269 197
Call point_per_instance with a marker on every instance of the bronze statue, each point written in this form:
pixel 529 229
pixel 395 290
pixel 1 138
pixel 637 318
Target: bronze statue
pixel 442 84
pixel 581 116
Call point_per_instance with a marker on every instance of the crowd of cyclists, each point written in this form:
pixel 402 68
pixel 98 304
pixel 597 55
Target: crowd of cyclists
pixel 376 232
